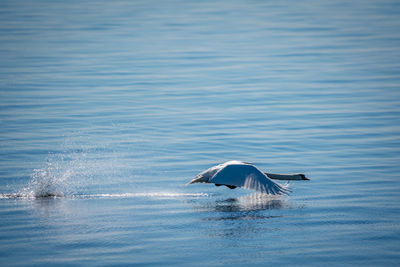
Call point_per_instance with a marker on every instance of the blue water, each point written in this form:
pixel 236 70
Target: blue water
pixel 112 106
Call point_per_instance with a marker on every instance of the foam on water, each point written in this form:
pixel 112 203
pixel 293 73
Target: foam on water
pixel 50 194
pixel 146 194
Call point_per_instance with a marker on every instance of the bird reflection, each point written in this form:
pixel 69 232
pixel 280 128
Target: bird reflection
pixel 243 216
pixel 249 207
pixel 252 202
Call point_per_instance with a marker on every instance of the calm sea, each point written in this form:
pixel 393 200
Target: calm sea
pixel 112 106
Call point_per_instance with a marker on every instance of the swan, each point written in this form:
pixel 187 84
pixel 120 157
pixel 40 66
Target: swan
pixel 243 174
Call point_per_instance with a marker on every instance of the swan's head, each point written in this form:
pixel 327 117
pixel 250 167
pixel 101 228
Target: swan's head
pixel 302 177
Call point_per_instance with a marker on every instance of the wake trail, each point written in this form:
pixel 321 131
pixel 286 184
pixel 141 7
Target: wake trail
pixel 105 195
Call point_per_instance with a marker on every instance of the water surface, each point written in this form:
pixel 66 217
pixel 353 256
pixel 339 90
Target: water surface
pixel 108 108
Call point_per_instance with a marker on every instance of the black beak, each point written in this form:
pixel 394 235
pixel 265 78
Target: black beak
pixel 303 177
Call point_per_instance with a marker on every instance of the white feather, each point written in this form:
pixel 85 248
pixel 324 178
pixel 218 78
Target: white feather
pixel 240 174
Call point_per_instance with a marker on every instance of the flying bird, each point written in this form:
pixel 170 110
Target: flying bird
pixel 243 174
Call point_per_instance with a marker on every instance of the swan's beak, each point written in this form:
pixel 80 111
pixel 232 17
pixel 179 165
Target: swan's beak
pixel 303 177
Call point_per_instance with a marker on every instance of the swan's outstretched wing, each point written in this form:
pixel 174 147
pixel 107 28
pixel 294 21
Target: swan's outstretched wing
pixel 249 177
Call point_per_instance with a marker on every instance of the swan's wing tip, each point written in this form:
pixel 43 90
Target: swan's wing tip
pixel 270 188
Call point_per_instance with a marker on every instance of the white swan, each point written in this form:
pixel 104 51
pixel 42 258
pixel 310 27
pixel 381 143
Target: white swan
pixel 243 174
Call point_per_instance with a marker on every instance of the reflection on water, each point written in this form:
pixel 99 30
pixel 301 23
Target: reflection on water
pixel 48 210
pixel 251 202
pixel 243 216
pixel 249 207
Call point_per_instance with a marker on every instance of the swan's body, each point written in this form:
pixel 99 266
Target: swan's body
pixel 242 174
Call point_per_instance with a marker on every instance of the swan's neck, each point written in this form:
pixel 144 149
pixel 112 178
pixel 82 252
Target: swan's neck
pixel 283 176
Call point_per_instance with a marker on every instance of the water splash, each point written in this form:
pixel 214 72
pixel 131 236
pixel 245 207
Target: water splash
pixel 62 175
pixel 85 169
